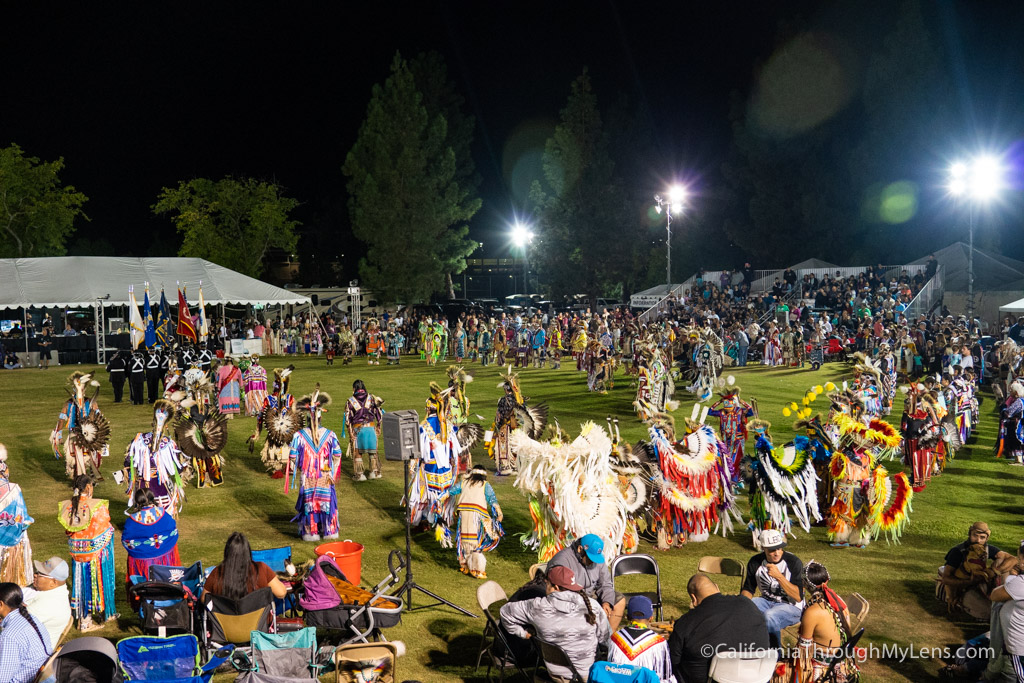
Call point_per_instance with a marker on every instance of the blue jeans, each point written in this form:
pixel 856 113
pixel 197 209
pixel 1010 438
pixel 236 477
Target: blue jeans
pixel 778 616
pixel 741 359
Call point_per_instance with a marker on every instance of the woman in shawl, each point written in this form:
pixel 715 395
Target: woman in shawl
pixel 15 552
pixel 229 388
pixel 86 521
pixel 150 536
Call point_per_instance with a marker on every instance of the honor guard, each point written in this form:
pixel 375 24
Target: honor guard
pixel 188 357
pixel 154 371
pixel 205 358
pixel 117 367
pixel 136 377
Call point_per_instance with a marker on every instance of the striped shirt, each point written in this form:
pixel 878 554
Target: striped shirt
pixel 22 653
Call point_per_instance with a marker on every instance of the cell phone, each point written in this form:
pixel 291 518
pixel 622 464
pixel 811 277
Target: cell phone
pixel 118 477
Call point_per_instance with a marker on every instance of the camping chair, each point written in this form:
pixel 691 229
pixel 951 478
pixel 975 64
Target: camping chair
pixel 172 660
pixel 625 565
pixel 849 651
pixel 80 658
pixel 743 667
pixel 164 607
pixel 607 672
pixel 279 658
pixel 233 621
pixel 710 564
pixel 191 578
pixel 552 654
pixel 858 608
pixel 366 663
pixel 278 559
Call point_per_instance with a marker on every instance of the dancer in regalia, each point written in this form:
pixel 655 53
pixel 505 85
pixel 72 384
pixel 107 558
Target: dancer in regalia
pixel 363 420
pixel 279 417
pixel 513 413
pixel 255 381
pixel 154 462
pixel 479 521
pixel 1010 442
pixel 921 433
pixel 458 378
pixel 201 432
pixel 315 460
pixel 150 536
pixel 86 443
pixel 86 521
pixel 732 413
pixel 229 388
pixel 15 551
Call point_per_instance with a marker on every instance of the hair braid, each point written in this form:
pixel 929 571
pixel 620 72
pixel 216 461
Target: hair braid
pixel 591 617
pixel 23 611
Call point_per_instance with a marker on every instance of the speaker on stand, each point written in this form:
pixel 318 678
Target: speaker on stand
pixel 400 430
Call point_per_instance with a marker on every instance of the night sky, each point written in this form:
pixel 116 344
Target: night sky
pixel 139 96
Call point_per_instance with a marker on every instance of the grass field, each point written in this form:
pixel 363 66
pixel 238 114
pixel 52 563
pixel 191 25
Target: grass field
pixel 897 580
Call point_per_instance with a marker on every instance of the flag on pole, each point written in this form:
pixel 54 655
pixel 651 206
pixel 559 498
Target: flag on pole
pixel 137 326
pixel 147 318
pixel 185 326
pixel 163 320
pixel 204 330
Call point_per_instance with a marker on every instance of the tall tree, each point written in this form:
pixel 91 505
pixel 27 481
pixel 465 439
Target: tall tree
pixel 405 199
pixel 232 222
pixel 37 212
pixel 581 206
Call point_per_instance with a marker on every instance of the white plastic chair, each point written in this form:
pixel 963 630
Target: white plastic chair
pixel 743 667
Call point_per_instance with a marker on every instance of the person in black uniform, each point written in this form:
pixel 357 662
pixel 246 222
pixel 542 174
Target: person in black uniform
pixel 188 357
pixel 204 358
pixel 45 344
pixel 153 374
pixel 136 377
pixel 117 367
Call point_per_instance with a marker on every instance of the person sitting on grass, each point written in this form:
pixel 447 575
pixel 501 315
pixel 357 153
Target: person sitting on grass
pixel 238 575
pixel 584 557
pixel 638 644
pixel 564 617
pixel 779 576
pixel 969 573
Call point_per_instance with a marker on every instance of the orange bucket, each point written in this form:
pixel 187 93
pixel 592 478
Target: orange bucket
pixel 348 555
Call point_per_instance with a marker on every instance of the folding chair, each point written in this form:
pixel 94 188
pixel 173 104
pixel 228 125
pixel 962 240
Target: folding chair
pixel 486 595
pixel 725 566
pixel 233 621
pixel 172 660
pixel 743 667
pixel 858 608
pixel 625 565
pixel 607 672
pixel 553 654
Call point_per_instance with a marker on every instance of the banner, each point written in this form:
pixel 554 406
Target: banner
pixel 204 330
pixel 147 317
pixel 163 321
pixel 186 328
pixel 137 328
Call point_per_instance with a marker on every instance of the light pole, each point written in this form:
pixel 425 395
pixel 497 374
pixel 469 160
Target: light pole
pixel 978 181
pixel 674 205
pixel 521 237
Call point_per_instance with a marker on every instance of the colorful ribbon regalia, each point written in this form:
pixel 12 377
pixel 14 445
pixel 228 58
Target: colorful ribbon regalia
pixel 153 461
pixel 15 551
pixel 572 490
pixel 781 480
pixel 315 462
pixel 693 487
pixel 90 544
pixel 732 414
pixel 654 386
pixel 513 413
pixel 88 434
pixel 1010 442
pixel 151 538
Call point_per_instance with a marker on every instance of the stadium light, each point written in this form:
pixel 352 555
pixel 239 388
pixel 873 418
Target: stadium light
pixel 522 235
pixel 676 202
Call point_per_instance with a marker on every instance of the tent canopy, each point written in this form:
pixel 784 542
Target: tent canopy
pixel 992 271
pixel 1013 307
pixel 80 281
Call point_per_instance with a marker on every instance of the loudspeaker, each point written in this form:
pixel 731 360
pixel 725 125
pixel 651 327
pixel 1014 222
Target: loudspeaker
pixel 401 432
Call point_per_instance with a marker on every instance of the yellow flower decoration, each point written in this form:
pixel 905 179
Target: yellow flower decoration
pixel 787 412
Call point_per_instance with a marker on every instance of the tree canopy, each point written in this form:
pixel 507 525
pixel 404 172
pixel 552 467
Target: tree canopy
pixel 232 222
pixel 37 212
pixel 409 199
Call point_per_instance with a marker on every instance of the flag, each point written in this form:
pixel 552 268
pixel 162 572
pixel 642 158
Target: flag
pixel 136 325
pixel 185 326
pixel 204 331
pixel 163 320
pixel 147 317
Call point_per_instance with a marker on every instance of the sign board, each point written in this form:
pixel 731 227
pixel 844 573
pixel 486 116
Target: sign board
pixel 645 300
pixel 238 347
pixel 353 290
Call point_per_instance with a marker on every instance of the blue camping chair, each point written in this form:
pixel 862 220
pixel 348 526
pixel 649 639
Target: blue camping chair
pixel 190 578
pixel 173 660
pixel 277 559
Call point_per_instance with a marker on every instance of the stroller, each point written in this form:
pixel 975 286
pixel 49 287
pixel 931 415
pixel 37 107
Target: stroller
pixel 359 614
pixel 167 602
pixel 173 660
pixel 279 658
pixel 82 659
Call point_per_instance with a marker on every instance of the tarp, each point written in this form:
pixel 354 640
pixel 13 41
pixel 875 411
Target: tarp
pixel 992 271
pixel 1013 307
pixel 80 281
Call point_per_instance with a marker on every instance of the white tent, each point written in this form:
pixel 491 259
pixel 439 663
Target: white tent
pixel 83 281
pixel 1013 307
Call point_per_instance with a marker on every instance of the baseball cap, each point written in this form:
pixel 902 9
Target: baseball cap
pixel 564 578
pixel 639 607
pixel 772 539
pixel 54 568
pixel 594 547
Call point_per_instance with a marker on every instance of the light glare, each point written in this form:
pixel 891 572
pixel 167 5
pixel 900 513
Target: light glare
pixel 521 235
pixel 677 194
